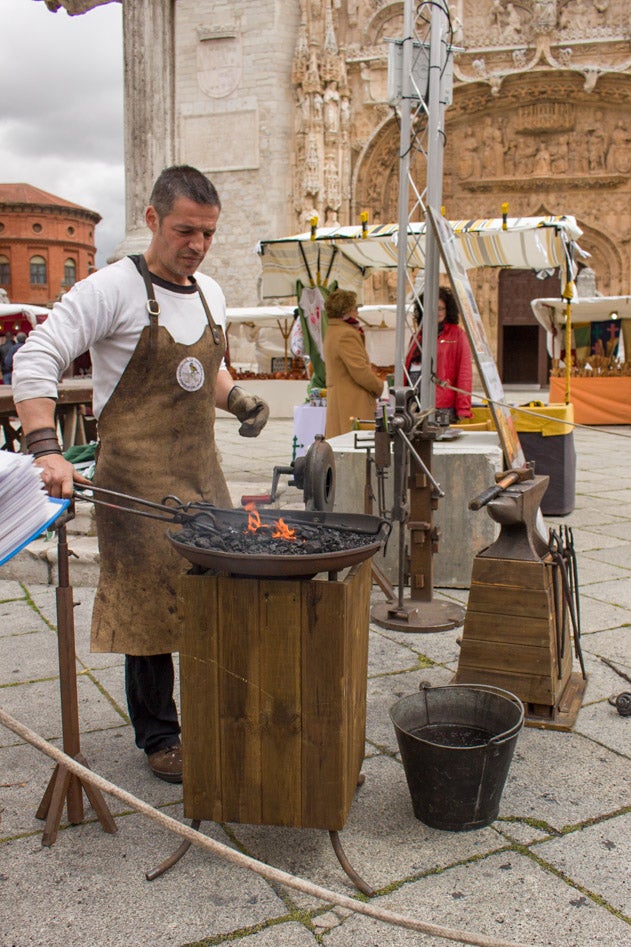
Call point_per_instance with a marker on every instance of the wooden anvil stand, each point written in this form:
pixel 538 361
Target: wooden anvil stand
pixel 517 632
pixel 65 786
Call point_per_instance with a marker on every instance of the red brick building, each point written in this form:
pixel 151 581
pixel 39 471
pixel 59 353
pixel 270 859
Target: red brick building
pixel 46 244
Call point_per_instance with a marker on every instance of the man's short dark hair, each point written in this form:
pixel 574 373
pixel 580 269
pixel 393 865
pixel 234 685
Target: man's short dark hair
pixel 182 181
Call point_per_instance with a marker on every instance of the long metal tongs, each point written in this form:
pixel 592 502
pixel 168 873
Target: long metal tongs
pixel 561 546
pixel 176 511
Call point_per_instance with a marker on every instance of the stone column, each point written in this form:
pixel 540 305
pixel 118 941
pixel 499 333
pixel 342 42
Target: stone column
pixel 148 43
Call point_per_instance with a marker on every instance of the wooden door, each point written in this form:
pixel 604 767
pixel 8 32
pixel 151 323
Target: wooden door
pixel 522 357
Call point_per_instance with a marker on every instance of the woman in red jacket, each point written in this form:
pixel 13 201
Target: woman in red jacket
pixel 453 357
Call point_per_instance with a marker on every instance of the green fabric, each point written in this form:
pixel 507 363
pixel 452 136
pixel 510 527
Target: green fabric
pixel 81 453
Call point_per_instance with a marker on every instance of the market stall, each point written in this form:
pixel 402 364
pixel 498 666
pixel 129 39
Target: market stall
pixel 21 317
pixel 258 337
pixel 348 255
pixel 598 378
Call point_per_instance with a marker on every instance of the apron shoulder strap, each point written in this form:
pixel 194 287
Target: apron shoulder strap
pixel 153 308
pixel 214 328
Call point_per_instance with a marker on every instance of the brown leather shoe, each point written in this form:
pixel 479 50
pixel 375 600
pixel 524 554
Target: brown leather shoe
pixel 167 763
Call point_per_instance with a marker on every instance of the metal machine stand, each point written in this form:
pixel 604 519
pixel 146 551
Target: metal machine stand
pixel 64 786
pixel 416 495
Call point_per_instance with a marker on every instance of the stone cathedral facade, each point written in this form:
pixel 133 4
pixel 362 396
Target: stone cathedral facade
pixel 284 104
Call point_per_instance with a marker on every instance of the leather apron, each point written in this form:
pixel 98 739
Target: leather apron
pixel 156 439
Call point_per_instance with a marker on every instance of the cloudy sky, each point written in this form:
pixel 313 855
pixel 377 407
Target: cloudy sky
pixel 61 110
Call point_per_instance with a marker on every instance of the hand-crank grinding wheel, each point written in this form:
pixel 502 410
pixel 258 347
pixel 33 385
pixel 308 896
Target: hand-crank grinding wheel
pixel 318 476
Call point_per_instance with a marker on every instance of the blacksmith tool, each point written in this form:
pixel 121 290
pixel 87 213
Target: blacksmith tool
pixel 314 474
pixel 503 481
pixel 569 584
pixel 622 702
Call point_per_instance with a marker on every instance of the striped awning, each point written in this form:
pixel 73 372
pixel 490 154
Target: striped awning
pixel 350 254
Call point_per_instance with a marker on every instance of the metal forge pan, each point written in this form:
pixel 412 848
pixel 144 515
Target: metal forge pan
pixel 216 520
pixel 278 566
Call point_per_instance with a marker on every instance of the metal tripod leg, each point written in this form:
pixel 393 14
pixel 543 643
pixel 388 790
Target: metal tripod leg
pixel 357 880
pixel 173 859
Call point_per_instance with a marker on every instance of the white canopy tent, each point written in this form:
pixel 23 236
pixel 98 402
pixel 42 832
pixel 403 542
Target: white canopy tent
pixel 349 254
pixel 257 334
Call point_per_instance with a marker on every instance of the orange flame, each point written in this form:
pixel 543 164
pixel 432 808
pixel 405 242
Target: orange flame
pixel 282 531
pixel 254 520
pixel 280 528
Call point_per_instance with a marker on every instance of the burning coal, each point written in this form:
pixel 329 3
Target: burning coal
pixel 256 537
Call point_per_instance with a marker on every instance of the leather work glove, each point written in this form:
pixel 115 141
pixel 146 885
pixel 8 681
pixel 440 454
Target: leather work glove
pixel 251 410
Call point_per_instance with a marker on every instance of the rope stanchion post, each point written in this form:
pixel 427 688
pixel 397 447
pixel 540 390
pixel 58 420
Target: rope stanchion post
pixel 65 786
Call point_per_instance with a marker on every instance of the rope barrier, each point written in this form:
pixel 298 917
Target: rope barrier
pixel 245 861
pixel 536 414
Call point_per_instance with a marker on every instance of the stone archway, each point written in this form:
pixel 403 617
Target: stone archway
pixel 606 259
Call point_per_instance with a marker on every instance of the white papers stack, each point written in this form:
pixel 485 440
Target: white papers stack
pixel 26 510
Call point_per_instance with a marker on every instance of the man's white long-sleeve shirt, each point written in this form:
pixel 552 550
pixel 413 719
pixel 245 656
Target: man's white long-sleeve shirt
pixel 106 314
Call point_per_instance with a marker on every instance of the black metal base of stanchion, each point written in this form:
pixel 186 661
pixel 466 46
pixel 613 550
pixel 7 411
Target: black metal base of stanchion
pixel 418 617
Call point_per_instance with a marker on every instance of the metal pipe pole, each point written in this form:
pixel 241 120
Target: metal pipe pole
pixel 404 173
pixel 435 146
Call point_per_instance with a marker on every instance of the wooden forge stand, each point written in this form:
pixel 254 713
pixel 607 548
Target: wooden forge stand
pixel 517 629
pixel 273 699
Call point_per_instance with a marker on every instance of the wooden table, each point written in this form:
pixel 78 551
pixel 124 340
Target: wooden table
pixel 74 396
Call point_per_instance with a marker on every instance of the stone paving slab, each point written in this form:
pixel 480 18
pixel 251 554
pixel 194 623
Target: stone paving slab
pixel 597 857
pixel 596 614
pixel 50 899
pixel 546 782
pixel 524 903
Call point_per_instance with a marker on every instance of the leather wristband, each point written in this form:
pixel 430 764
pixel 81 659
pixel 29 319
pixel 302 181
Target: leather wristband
pixel 48 446
pixel 42 441
pixel 39 434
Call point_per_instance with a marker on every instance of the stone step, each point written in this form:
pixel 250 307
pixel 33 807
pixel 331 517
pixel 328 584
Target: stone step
pixel 37 564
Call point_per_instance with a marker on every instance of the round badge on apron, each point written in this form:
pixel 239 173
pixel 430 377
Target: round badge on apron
pixel 190 374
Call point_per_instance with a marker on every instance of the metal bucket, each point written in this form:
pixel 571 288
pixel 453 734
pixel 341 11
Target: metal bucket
pixel 456 744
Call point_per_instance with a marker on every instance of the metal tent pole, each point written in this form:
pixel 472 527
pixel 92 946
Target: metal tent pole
pixel 435 146
pixel 416 489
pixel 404 174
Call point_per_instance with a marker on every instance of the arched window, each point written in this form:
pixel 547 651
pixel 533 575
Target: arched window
pixel 70 272
pixel 5 270
pixel 38 271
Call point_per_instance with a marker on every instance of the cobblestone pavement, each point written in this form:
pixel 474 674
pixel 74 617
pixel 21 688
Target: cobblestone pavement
pixel 553 869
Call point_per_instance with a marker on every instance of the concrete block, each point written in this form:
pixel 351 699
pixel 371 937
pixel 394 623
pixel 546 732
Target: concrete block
pixel 463 467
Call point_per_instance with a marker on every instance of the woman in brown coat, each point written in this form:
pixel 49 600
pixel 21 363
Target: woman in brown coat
pixel 351 385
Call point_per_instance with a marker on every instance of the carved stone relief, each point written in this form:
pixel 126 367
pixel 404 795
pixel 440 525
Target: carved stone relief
pixel 551 140
pixel 489 23
pixel 323 122
pixel 219 61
